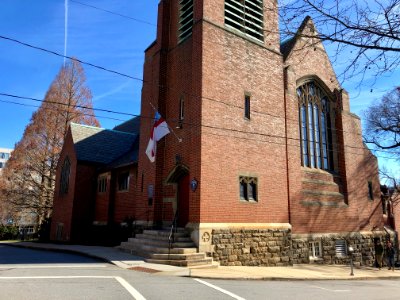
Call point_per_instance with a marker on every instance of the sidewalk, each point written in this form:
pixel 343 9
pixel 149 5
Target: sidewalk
pixel 296 272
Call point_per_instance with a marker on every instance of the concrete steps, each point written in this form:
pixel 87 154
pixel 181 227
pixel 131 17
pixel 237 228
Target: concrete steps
pixel 162 243
pixel 154 246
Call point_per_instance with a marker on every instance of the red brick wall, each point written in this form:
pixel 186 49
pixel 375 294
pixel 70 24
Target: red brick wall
pixel 103 200
pixel 124 205
pixel 233 145
pixel 217 64
pixel 355 165
pixel 63 204
pixel 84 201
pixel 212 70
pixel 183 80
pixel 75 210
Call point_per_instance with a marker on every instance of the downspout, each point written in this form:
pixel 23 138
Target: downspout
pixel 285 88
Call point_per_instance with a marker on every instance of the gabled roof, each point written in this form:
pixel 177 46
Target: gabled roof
pixel 126 159
pixel 287 46
pixel 99 145
pixel 131 126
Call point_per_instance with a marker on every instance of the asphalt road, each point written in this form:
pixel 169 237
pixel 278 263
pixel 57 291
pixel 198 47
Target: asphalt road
pixel 33 274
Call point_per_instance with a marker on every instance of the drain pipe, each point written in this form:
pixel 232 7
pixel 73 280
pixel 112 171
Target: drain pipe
pixel 285 89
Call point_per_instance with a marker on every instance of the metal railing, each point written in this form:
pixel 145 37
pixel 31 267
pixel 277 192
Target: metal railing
pixel 173 230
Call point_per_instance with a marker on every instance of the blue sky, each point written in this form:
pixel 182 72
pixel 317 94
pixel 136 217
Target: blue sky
pixel 94 36
pixel 103 39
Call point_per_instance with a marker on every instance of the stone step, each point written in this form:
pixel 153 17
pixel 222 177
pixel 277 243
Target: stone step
pixel 319 203
pixel 313 195
pixel 315 174
pixel 155 246
pixel 161 243
pixel 164 233
pixel 320 185
pixel 182 263
pixel 149 249
pixel 190 256
pixel 185 239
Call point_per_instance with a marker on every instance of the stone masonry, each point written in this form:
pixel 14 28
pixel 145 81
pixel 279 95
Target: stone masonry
pixel 362 243
pixel 255 247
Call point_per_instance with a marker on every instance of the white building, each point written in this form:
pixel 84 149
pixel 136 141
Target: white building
pixel 4 156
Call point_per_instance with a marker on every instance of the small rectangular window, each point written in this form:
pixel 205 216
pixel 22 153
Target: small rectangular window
pixel 123 181
pixel 315 249
pixel 181 111
pixel 340 248
pixel 247 107
pixel 370 191
pixel 59 231
pixel 1 165
pixel 248 188
pixel 142 183
pixel 102 184
pixel 384 205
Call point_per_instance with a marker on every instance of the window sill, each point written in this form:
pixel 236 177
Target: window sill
pixel 315 259
pixel 248 201
pixel 316 170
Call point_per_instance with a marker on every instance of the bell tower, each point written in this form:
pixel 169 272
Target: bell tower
pixel 215 73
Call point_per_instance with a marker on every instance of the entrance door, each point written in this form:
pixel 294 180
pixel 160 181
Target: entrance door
pixel 183 201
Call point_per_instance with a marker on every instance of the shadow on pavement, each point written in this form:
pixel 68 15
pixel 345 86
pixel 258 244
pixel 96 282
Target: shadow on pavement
pixel 15 255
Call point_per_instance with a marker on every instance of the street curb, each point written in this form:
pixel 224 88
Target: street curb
pixel 292 279
pixel 187 272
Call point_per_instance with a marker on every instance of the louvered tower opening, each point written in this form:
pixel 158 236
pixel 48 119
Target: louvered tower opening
pixel 246 16
pixel 185 19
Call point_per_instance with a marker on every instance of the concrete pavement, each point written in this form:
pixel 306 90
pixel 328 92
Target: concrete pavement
pixel 296 272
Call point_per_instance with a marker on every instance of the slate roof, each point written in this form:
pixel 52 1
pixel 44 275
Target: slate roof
pixel 101 146
pixel 131 126
pixel 287 46
pixel 126 159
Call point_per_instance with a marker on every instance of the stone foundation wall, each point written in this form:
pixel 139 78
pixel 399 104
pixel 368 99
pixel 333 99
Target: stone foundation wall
pixel 252 247
pixel 362 243
pixel 278 247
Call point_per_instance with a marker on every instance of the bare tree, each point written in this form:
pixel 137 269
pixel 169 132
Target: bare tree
pixel 31 169
pixel 366 33
pixel 383 123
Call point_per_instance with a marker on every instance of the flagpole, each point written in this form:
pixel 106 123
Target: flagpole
pixel 169 127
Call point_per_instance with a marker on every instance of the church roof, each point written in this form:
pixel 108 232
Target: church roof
pixel 131 126
pixel 101 146
pixel 287 46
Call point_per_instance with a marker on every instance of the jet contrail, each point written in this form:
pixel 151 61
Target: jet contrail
pixel 65 30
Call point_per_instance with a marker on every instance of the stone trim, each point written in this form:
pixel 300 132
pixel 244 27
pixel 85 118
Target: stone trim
pixel 324 203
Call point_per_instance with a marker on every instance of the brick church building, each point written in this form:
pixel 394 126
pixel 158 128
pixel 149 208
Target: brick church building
pixel 265 165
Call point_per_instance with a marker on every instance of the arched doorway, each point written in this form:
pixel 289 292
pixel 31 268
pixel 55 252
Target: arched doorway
pixel 180 177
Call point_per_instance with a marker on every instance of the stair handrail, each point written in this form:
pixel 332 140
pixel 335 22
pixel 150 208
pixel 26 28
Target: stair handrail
pixel 134 224
pixel 171 237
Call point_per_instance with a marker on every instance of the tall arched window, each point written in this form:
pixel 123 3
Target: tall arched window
pixel 315 127
pixel 64 179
